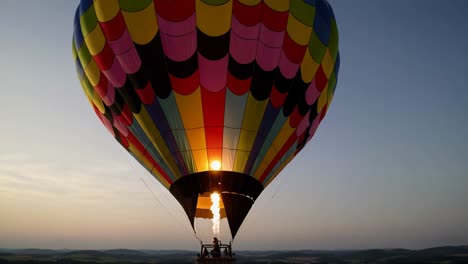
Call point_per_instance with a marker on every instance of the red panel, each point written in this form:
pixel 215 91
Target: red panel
pixel 213 107
pixel 276 21
pixel 247 15
pixel 105 58
pixel 185 86
pixel 295 117
pixel 213 115
pixel 146 94
pixel 125 116
pixel 277 98
pixel 323 113
pixel 320 79
pixel 174 10
pixel 236 86
pixel 293 51
pixel 114 28
pixel 101 87
pixel 123 140
pixel 278 156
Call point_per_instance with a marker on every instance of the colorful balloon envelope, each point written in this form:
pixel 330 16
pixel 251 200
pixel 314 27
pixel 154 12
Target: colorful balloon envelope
pixel 209 95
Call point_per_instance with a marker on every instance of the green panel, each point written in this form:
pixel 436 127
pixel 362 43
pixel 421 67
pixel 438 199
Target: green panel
pixel 303 12
pixel 331 84
pixel 87 87
pixel 316 48
pixel 272 134
pixel 84 55
pixel 134 5
pixel 88 21
pixel 169 106
pixel 333 43
pixel 215 2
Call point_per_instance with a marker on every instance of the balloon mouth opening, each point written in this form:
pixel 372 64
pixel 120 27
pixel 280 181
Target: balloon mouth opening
pixel 215 165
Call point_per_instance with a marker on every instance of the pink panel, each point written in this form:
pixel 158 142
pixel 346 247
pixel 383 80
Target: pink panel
pixel 177 28
pixel 121 44
pixel 267 57
pixel 179 48
pixel 313 127
pixel 271 38
pixel 287 67
pixel 301 128
pixel 108 99
pixel 213 73
pixel 130 61
pixel 244 31
pixel 116 74
pixel 312 93
pixel 243 50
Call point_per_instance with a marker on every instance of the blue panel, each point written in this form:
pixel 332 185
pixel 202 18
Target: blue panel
pixel 77 35
pixel 267 122
pixel 159 119
pixel 322 23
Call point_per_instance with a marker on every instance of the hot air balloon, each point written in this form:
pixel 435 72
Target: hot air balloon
pixel 210 96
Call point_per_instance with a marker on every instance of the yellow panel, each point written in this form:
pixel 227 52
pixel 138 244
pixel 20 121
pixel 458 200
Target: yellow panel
pixel 204 201
pixel 142 25
pixel 95 41
pixel 201 159
pixel 323 99
pixel 196 138
pixel 278 143
pixel 206 213
pixel 147 163
pixel 106 9
pixel 308 67
pixel 250 2
pixel 98 103
pixel 74 52
pixel 330 98
pixel 87 88
pixel 327 63
pixel 241 160
pixel 152 132
pixel 252 118
pixel 93 73
pixel 253 113
pixel 190 108
pixel 298 32
pixel 213 20
pixel 278 5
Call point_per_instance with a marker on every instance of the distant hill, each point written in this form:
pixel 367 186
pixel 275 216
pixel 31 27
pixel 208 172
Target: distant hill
pixel 449 255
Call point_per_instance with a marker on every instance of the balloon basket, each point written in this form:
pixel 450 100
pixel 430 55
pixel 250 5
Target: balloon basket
pixel 206 255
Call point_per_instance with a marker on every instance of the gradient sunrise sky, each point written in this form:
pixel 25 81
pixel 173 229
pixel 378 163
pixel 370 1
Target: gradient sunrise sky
pixel 388 167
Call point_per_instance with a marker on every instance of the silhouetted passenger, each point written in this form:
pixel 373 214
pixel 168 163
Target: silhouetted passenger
pixel 216 252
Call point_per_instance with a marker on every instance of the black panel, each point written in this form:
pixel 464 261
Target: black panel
pixel 237 207
pixel 240 71
pixel 313 111
pixel 262 81
pixel 130 97
pixel 228 183
pixel 213 48
pixel 282 84
pixel 183 69
pixel 296 96
pixel 118 104
pixel 154 67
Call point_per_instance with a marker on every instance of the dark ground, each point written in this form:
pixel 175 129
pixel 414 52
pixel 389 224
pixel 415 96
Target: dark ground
pixel 456 254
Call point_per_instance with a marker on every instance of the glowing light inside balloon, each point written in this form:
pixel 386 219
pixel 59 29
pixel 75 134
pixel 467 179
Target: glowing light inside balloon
pixel 215 210
pixel 215 165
